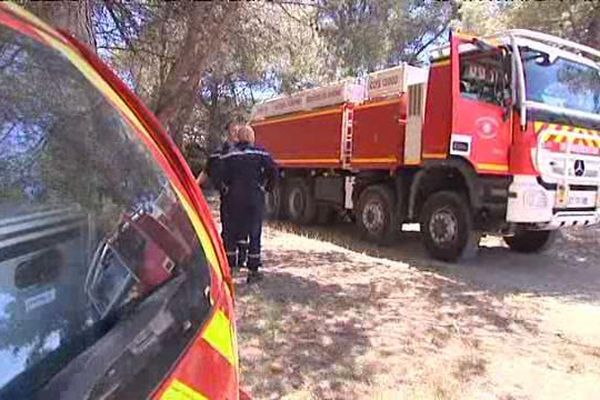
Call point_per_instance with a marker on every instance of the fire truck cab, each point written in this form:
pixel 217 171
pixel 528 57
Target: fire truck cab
pixel 499 136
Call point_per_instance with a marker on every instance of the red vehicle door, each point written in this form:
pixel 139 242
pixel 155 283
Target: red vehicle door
pixel 113 280
pixel 481 119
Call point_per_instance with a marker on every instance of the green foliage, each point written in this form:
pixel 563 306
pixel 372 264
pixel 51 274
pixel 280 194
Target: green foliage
pixel 481 19
pixel 243 52
pixel 575 20
pixel 367 35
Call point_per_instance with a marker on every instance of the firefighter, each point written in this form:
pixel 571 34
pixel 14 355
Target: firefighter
pixel 248 172
pixel 214 171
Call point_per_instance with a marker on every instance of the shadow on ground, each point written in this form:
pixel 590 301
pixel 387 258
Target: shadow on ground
pixel 570 270
pixel 299 332
pixel 334 324
pixel 303 331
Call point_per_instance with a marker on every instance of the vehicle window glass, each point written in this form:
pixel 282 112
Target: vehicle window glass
pixel 561 82
pixel 93 241
pixel 481 77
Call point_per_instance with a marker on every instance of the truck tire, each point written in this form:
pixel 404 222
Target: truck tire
pixel 447 227
pixel 273 208
pixel 300 202
pixel 376 214
pixel 530 241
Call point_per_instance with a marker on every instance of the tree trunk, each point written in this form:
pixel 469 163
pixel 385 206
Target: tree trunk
pixel 207 23
pixel 74 17
pixel 177 95
pixel 593 31
pixel 214 130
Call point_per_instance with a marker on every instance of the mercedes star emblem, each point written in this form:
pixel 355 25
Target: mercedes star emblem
pixel 579 167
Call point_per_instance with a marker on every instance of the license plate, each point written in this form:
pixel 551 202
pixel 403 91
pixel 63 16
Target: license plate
pixel 587 199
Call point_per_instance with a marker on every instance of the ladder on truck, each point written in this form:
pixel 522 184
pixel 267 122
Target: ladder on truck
pixel 347 136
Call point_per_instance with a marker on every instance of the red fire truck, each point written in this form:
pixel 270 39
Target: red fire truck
pixel 499 135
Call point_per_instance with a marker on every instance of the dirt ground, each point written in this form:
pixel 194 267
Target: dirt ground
pixel 337 318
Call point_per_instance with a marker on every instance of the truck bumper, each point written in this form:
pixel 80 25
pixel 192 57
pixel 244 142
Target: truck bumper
pixel 530 202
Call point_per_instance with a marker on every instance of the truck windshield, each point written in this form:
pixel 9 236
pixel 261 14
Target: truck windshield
pixel 561 82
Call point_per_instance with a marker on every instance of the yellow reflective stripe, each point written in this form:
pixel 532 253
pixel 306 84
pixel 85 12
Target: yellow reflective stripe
pixel 205 241
pixel 95 79
pixel 336 110
pixel 21 12
pixel 219 334
pixel 559 134
pixel 236 360
pixel 589 142
pixel 493 167
pixel 178 390
pixel 434 155
pixel 596 141
pixel 441 63
pixel 307 160
pixel 228 291
pixel 377 104
pixel 374 160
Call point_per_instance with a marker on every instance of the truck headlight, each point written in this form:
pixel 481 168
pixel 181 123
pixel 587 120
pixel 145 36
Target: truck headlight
pixel 535 199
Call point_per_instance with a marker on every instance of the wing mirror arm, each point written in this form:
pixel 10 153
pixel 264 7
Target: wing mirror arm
pixel 507 105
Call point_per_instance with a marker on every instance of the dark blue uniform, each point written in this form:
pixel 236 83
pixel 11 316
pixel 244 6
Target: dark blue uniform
pixel 214 170
pixel 248 172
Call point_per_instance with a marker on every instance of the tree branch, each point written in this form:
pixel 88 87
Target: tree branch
pixel 118 24
pixel 142 50
pixel 298 20
pixel 313 4
pixel 430 41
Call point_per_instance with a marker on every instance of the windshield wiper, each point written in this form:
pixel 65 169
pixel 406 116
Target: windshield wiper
pixel 535 55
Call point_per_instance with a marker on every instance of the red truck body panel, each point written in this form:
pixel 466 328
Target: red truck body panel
pixel 438 106
pixel 314 139
pixel 304 140
pixel 379 129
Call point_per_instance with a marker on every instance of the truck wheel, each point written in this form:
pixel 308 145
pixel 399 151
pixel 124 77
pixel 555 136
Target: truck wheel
pixel 447 227
pixel 301 206
pixel 530 241
pixel 273 204
pixel 376 217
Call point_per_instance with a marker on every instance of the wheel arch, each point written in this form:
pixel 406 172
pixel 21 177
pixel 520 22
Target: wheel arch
pixel 397 181
pixel 366 179
pixel 439 175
